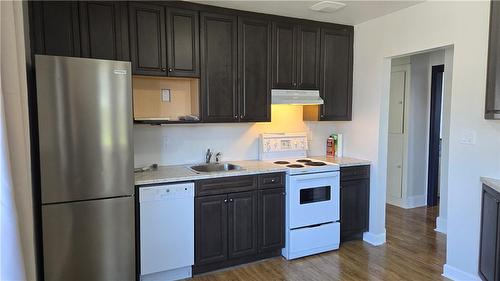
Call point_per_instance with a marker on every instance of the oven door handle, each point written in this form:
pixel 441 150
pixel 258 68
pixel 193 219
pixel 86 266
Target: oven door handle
pixel 315 176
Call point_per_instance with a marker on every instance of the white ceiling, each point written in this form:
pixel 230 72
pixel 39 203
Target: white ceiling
pixel 354 13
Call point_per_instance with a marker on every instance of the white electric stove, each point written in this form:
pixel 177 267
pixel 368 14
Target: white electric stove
pixel 312 195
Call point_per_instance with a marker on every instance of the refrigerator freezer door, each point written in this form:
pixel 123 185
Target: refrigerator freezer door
pixel 85 128
pixel 89 240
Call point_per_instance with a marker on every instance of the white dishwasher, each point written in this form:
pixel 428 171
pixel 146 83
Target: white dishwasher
pixel 166 231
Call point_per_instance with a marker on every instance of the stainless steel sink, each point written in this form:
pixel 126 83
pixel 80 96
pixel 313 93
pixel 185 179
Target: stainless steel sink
pixel 214 167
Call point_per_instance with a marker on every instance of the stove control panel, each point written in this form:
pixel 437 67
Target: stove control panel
pixel 286 142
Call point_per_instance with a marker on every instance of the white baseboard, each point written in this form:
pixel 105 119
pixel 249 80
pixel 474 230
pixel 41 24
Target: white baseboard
pixel 374 239
pixel 408 202
pixel 441 225
pixel 456 274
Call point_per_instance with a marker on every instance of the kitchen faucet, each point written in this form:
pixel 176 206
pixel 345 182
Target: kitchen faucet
pixel 208 156
pixel 218 155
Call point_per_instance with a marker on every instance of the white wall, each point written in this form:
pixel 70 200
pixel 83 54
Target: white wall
pixel 418 126
pixel 14 91
pixel 428 26
pixel 183 144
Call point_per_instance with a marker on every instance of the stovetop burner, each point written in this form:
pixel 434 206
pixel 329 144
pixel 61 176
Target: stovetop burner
pixel 281 162
pixel 295 166
pixel 315 163
pixel 304 161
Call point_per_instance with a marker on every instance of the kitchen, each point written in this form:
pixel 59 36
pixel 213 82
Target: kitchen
pixel 233 107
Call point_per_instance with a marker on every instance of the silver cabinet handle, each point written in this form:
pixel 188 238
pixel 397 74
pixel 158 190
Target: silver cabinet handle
pixel 231 200
pixel 225 200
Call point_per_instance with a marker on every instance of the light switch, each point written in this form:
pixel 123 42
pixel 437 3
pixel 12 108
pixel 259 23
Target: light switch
pixel 165 95
pixel 468 137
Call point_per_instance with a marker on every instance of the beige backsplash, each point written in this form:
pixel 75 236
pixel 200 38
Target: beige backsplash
pixel 184 94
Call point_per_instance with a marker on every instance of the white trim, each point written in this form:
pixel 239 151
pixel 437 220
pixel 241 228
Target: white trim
pixel 456 274
pixel 441 225
pixel 374 239
pixel 409 202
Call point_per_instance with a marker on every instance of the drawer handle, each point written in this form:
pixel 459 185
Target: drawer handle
pixel 231 200
pixel 225 200
pixel 273 180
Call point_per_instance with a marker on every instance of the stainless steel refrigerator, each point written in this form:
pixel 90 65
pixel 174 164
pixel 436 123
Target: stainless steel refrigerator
pixel 86 162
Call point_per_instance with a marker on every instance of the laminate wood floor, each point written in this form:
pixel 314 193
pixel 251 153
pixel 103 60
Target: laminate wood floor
pixel 414 251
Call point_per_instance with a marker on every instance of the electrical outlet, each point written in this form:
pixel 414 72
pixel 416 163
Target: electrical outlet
pixel 165 95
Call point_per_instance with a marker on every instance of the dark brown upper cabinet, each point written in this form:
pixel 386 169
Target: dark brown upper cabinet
pixel 284 58
pixel 158 33
pixel 147 39
pixel 56 28
pixel 183 43
pixel 296 56
pixel 492 105
pixel 218 38
pixel 254 69
pixel 93 29
pixel 104 30
pixel 335 77
pixel 308 50
pixel 336 74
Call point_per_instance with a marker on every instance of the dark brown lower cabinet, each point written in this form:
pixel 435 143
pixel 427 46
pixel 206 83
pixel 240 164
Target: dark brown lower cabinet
pixel 354 202
pixel 210 229
pixel 271 219
pixel 489 250
pixel 240 225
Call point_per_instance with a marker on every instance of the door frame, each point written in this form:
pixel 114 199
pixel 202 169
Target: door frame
pixel 436 100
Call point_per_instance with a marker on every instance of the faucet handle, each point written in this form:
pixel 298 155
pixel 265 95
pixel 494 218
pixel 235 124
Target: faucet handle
pixel 218 155
pixel 208 156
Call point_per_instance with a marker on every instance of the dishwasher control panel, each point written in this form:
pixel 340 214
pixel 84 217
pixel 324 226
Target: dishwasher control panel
pixel 166 192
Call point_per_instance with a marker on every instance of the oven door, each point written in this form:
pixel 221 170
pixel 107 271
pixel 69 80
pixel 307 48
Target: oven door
pixel 314 199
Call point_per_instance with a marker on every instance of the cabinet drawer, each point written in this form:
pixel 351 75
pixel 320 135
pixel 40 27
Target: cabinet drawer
pixel 354 173
pixel 226 185
pixel 272 180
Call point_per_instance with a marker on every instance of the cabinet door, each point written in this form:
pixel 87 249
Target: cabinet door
pixel 147 39
pixel 242 224
pixel 56 28
pixel 336 74
pixel 210 229
pixel 489 250
pixel 492 106
pixel 102 30
pixel 218 67
pixel 254 57
pixel 284 55
pixel 308 50
pixel 354 207
pixel 271 219
pixel 183 43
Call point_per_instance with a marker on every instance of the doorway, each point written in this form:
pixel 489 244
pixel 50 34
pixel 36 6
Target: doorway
pixel 435 137
pixel 414 131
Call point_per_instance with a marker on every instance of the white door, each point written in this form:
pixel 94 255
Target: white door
pixel 397 133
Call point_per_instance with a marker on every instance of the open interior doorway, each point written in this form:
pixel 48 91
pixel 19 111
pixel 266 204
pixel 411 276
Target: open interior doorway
pixel 415 132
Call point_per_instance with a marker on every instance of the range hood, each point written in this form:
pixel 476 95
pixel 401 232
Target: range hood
pixel 298 97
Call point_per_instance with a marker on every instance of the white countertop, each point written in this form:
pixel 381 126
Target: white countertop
pixel 342 161
pixel 176 173
pixel 493 183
